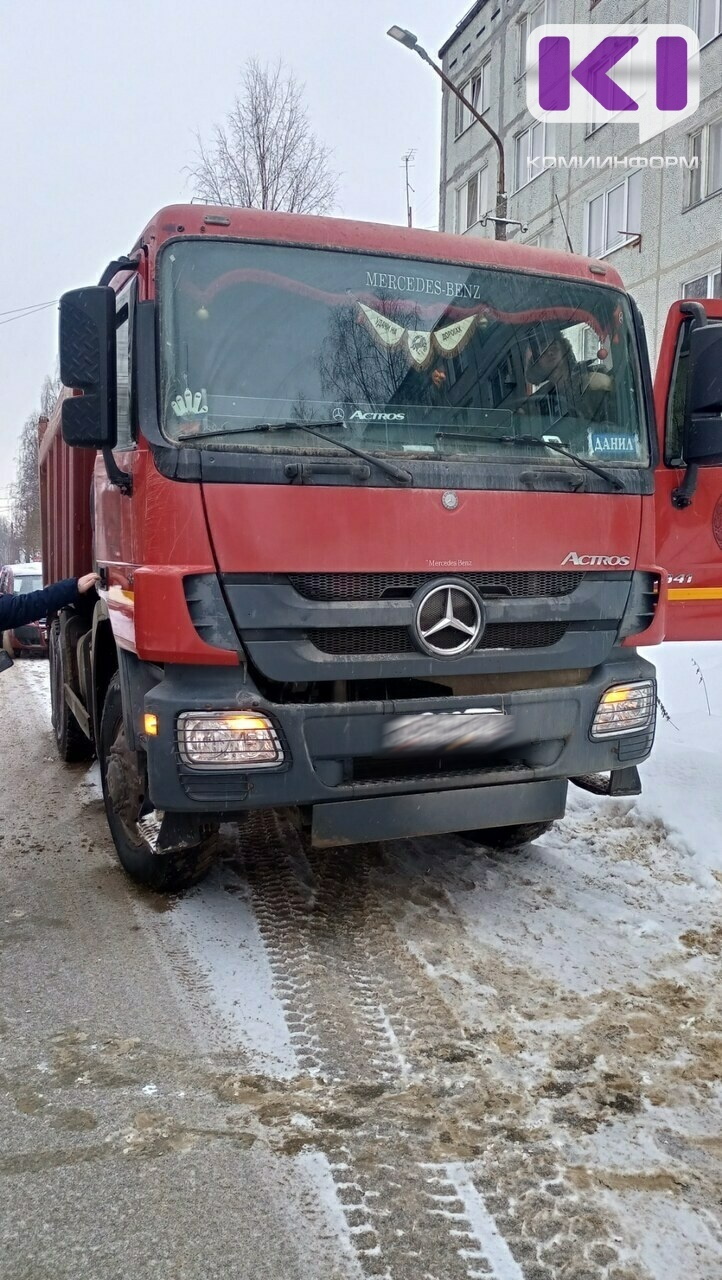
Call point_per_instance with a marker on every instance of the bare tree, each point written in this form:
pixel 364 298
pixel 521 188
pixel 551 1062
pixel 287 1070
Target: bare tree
pixel 49 393
pixel 356 368
pixel 25 493
pixel 8 542
pixel 22 531
pixel 265 155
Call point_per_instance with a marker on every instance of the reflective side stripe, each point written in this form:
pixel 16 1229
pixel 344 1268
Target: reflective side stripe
pixel 695 593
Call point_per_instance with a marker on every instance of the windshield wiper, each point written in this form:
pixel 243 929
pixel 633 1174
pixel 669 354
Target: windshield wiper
pixel 539 440
pixel 399 474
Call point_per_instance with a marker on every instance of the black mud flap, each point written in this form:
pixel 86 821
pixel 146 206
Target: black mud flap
pixel 621 782
pixel 437 812
pixel 178 832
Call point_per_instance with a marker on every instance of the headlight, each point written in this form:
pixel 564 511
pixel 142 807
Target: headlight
pixel 625 708
pixel 228 740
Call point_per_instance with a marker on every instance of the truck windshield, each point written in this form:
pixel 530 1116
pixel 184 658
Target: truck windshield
pixel 407 359
pixel 28 582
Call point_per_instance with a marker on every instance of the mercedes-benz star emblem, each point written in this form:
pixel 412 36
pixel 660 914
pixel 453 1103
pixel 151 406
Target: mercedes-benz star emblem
pixel 450 500
pixel 449 620
pixel 339 414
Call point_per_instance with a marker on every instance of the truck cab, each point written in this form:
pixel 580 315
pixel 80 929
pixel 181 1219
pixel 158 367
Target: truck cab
pixel 381 517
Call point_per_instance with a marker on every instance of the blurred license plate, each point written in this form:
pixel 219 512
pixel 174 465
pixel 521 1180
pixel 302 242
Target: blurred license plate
pixel 441 730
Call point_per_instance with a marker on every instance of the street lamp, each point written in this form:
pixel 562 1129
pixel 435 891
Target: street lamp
pixel 409 40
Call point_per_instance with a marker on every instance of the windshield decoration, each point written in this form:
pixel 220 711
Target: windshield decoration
pixel 448 340
pixel 251 278
pixel 189 406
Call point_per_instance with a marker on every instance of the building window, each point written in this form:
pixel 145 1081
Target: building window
pixel 471 201
pixel 623 77
pixel 706 149
pixel 709 286
pixel 615 216
pixel 708 19
pixel 537 15
pixel 477 91
pixel 543 239
pixel 530 147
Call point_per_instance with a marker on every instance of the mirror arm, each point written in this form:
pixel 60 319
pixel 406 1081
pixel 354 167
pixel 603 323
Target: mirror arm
pixel 121 479
pixel 697 311
pixel 683 494
pixel 118 264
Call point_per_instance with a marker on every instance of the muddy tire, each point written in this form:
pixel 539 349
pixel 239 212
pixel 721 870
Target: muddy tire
pixel 70 740
pixel 508 839
pixel 123 793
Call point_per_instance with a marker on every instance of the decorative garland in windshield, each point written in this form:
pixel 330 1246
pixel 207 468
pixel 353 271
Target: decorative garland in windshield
pixel 369 302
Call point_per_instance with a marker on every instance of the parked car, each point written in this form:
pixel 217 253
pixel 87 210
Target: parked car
pixel 19 579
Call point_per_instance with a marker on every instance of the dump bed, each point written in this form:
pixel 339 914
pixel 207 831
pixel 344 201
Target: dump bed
pixel 65 498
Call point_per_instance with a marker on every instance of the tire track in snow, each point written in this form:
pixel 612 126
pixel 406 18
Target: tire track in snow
pixel 363 1012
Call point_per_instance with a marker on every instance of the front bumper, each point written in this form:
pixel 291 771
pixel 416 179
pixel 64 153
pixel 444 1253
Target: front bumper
pixel 332 752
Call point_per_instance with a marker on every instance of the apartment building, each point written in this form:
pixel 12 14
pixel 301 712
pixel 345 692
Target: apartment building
pixel 660 227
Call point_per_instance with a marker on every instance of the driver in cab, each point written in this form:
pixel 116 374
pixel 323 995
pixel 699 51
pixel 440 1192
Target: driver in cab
pixel 575 390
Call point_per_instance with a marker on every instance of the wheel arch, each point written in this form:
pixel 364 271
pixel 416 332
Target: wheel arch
pixel 136 679
pixel 104 663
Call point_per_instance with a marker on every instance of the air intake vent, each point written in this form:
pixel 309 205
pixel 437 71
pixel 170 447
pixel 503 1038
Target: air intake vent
pixel 208 611
pixel 389 586
pixel 641 606
pixel 357 642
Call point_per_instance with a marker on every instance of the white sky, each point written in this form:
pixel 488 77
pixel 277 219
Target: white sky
pixel 100 103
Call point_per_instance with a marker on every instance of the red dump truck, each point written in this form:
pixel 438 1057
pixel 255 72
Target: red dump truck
pixel 381 516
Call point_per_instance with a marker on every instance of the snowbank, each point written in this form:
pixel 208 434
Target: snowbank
pixel 683 778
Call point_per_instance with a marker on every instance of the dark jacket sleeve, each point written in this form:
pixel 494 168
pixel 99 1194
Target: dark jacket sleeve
pixel 15 611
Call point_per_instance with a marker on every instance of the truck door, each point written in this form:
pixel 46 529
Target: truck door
pixel 688 489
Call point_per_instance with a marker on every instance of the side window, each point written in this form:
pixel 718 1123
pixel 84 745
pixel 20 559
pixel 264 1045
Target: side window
pixel 122 356
pixel 674 426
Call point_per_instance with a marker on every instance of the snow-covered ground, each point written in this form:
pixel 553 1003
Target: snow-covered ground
pixel 683 778
pixel 521 1051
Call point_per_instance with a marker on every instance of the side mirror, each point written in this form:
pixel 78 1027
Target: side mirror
pixel 703 413
pixel 87 364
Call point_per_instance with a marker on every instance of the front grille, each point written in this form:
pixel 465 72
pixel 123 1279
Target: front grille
pixel 357 642
pixel 389 586
pixel 522 635
pixel 362 641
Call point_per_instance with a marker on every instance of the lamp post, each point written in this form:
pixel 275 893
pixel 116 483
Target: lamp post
pixel 409 40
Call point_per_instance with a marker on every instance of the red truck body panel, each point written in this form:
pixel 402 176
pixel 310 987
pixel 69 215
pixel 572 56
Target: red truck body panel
pixel 340 233
pixel 283 530
pixel 65 496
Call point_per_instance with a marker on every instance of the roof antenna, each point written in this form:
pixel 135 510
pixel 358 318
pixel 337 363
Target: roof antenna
pixel 566 230
pixel 407 160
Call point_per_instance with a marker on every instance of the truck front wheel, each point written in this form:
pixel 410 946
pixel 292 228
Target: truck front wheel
pixel 508 839
pixel 70 740
pixel 133 824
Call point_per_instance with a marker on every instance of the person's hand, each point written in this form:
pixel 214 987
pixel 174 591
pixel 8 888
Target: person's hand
pixel 87 582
